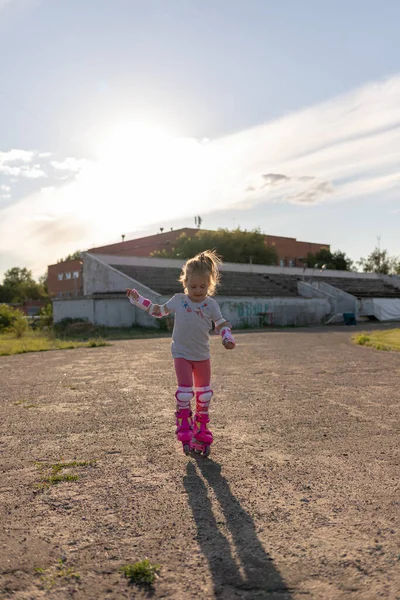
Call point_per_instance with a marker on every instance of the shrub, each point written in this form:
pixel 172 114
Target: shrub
pixel 12 319
pixel 46 316
pixel 142 572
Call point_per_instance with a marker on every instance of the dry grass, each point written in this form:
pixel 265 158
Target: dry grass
pixel 40 342
pixel 388 340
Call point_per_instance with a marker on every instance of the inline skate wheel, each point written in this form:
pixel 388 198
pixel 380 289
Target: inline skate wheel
pixel 186 449
pixel 206 451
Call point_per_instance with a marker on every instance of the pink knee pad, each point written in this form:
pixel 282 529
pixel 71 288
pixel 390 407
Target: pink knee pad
pixel 183 397
pixel 203 399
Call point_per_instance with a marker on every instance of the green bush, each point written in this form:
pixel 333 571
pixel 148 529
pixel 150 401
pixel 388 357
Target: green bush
pixel 46 316
pixel 142 572
pixel 13 320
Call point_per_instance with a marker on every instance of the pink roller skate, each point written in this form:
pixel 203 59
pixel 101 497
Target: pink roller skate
pixel 184 428
pixel 202 436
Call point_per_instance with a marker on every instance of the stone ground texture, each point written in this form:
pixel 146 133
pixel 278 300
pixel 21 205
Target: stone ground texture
pixel 299 499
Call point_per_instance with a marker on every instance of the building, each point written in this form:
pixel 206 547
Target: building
pixel 290 252
pixel 65 278
pixel 249 295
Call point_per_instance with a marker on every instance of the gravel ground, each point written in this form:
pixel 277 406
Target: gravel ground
pixel 299 499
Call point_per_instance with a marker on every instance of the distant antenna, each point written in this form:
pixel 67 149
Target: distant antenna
pixel 161 229
pixel 198 221
pixel 123 237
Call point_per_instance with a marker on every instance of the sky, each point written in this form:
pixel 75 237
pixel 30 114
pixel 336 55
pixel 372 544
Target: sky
pixel 124 117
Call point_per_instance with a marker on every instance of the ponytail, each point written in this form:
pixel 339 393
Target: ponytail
pixel 205 263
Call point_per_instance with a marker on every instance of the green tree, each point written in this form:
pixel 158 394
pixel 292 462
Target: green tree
pixel 233 246
pixel 379 261
pixel 338 260
pixel 19 285
pixel 74 256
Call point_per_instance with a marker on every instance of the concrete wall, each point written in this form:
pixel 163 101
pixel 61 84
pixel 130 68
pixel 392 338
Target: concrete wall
pixel 281 311
pixel 118 312
pixel 99 278
pixel 344 302
pixel 75 308
pixel 110 312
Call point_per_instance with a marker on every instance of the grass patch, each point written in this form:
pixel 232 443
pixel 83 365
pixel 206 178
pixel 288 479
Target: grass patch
pixel 54 479
pixel 34 341
pixel 50 576
pixel 25 404
pixel 52 473
pixel 142 572
pixel 387 340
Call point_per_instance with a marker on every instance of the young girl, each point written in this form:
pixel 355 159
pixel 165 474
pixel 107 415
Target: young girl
pixel 194 312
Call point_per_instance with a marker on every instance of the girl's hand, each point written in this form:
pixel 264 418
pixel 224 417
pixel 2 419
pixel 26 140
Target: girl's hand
pixel 228 345
pixel 132 293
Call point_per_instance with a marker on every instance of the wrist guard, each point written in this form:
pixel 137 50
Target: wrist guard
pixel 148 306
pixel 227 336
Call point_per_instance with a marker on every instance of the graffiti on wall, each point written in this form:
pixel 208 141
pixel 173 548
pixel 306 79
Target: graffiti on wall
pixel 247 309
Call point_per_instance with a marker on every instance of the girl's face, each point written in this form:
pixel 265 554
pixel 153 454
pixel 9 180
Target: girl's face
pixel 197 287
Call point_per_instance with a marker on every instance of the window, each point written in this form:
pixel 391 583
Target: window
pixel 67 275
pixel 60 276
pixel 76 275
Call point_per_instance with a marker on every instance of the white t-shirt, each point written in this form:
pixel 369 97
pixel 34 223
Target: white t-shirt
pixel 193 321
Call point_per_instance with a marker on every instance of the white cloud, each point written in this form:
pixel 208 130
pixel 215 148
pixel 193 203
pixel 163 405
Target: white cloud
pixel 340 150
pixel 17 163
pixel 5 188
pixel 69 164
pixel 14 155
pixel 33 173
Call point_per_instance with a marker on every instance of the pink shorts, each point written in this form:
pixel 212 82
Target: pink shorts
pixel 189 370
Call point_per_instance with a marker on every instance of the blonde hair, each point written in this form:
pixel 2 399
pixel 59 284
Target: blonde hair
pixel 205 263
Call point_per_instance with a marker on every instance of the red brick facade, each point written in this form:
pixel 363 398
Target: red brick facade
pixel 144 246
pixel 292 253
pixel 65 279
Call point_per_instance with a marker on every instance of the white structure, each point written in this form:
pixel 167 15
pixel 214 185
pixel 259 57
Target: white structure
pixel 309 301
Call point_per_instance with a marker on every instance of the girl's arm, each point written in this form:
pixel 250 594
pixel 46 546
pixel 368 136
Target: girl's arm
pixel 155 310
pixel 224 329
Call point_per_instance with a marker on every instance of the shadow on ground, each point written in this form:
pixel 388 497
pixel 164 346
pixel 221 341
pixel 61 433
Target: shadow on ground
pixel 239 563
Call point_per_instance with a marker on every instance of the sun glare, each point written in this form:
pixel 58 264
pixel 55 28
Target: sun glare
pixel 150 168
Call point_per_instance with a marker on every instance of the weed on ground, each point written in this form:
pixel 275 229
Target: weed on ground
pixel 51 474
pixel 142 572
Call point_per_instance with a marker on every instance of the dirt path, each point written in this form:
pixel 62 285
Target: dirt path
pixel 300 498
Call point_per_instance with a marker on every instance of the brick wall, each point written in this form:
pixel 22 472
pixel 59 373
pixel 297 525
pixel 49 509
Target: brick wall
pixel 289 249
pixel 65 279
pixel 144 246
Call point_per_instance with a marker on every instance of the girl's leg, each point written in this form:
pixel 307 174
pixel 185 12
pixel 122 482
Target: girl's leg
pixel 202 376
pixel 183 395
